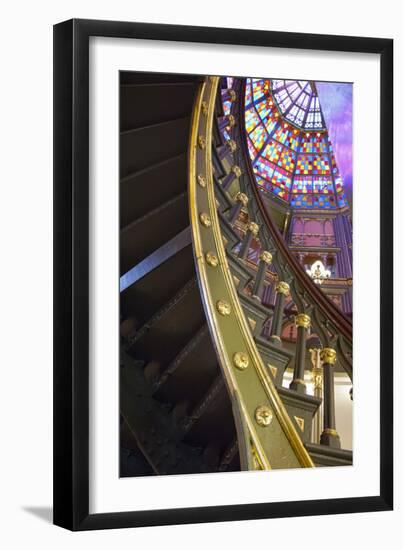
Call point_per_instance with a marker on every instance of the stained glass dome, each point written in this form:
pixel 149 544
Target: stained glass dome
pixel 289 145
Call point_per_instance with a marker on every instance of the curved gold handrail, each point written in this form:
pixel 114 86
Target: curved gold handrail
pixel 267 437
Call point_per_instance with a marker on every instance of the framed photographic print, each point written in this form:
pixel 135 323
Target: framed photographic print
pixel 223 265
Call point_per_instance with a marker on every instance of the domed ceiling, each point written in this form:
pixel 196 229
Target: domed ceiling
pixel 289 145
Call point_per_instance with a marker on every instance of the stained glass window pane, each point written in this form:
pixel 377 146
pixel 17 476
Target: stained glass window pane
pixel 289 144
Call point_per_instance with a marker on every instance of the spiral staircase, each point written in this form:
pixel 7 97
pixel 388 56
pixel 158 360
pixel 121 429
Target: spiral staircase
pixel 202 359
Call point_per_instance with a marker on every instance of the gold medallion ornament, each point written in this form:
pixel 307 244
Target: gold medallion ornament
pixel 303 320
pixel 231 120
pixel 223 308
pixel 283 288
pixel 204 108
pixel 266 257
pixel 201 140
pixel 328 356
pixel 253 228
pixel 211 259
pixel 205 219
pixel 232 145
pixel 232 95
pixel 241 360
pixel 264 416
pixel 201 180
pixel 242 198
pixel 236 170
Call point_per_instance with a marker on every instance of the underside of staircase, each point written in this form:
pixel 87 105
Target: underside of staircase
pixel 176 411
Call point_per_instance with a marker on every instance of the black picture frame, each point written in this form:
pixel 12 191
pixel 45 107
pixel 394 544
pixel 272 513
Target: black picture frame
pixel 71 274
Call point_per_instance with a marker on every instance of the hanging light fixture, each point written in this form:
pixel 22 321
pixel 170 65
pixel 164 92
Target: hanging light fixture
pixel 318 272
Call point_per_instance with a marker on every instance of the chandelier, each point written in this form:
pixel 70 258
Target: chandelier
pixel 318 272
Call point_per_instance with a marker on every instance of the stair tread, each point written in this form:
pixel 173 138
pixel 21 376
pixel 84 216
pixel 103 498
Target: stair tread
pixel 260 308
pixel 166 179
pixel 222 196
pixel 148 295
pixel 172 326
pixel 309 401
pixel 322 455
pixel 157 84
pixel 148 78
pixel 156 258
pixel 272 348
pixel 329 451
pixel 213 420
pixel 156 434
pixel 229 232
pixel 154 125
pixel 191 371
pixel 151 144
pixel 158 103
pixel 144 235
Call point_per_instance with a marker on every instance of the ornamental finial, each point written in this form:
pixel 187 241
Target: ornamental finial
pixel 328 356
pixel 283 288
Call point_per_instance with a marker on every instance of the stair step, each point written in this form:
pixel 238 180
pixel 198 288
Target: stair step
pixel 276 359
pixel 143 299
pixel 133 464
pixel 220 166
pixel 146 234
pixel 156 258
pixel 301 409
pixel 224 200
pixel 146 189
pixel 232 238
pixel 152 426
pixel 132 460
pixel 148 79
pixel 255 313
pixel 322 455
pixel 241 273
pixel 230 458
pixel 212 419
pixel 145 146
pixel 169 330
pixel 191 372
pixel 159 102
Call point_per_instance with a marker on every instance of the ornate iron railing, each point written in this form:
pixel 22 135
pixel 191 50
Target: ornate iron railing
pixel 313 309
pixel 328 322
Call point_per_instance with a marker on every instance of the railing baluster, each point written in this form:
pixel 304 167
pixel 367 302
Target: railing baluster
pixel 229 94
pixel 227 149
pixel 283 290
pixel 226 121
pixel 329 436
pixel 241 200
pixel 229 178
pixel 252 229
pixel 264 260
pixel 302 322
